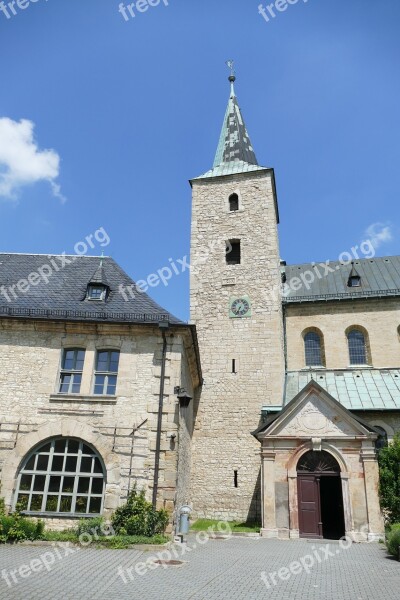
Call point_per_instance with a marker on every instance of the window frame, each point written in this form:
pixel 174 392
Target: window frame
pixel 48 449
pixel 106 374
pixel 73 372
pixel 355 362
pixel 354 281
pixel 96 286
pixel 308 352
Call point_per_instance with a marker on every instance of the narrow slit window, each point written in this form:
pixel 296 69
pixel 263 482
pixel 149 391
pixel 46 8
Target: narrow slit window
pixel 235 479
pixel 233 252
pixel 233 203
pixel 234 365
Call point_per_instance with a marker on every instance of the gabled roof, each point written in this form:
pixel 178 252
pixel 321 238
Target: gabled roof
pixel 380 277
pixel 235 153
pixel 358 389
pixel 54 287
pixel 343 418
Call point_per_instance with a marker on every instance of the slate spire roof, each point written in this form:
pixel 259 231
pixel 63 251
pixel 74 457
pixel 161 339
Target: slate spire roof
pixel 99 276
pixel 235 153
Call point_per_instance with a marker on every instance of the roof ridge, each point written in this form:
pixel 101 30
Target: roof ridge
pixel 52 254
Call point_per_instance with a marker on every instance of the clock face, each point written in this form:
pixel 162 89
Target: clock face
pixel 240 307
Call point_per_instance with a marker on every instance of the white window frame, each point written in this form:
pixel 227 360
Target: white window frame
pixel 71 372
pixel 105 374
pixel 62 473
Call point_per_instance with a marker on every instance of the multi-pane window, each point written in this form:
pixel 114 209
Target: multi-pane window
pixel 313 352
pixel 97 292
pixel 357 347
pixel 105 377
pixel 71 370
pixel 63 476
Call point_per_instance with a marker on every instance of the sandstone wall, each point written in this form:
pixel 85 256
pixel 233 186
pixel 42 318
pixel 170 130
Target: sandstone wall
pixel 230 404
pixel 31 409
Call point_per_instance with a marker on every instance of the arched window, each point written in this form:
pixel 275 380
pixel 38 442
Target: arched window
pixel 313 349
pixel 318 462
pixel 63 476
pixel 233 202
pixel 357 347
pixel 382 440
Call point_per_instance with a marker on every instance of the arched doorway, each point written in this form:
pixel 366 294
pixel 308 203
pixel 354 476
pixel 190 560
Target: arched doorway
pixel 320 496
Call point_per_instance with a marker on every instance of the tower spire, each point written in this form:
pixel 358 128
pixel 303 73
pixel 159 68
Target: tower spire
pixel 232 76
pixel 235 153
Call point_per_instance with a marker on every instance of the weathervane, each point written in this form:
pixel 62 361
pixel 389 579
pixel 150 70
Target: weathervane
pixel 230 64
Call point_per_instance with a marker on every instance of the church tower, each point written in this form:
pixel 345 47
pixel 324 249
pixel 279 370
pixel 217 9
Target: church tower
pixel 236 307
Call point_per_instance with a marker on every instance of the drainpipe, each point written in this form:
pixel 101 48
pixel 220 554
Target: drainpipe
pixel 285 353
pixel 163 327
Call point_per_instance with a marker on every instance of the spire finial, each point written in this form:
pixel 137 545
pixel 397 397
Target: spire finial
pixel 232 77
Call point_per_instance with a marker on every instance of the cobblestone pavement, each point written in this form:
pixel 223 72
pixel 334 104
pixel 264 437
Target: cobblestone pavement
pixel 217 569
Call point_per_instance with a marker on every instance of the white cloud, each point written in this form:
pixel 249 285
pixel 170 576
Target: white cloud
pixel 378 234
pixel 22 163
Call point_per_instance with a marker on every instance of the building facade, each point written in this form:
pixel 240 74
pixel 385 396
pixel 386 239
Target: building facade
pixel 280 422
pixel 309 357
pixel 93 391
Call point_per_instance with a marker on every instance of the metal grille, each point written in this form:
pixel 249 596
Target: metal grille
pixel 357 347
pixel 318 462
pixel 312 346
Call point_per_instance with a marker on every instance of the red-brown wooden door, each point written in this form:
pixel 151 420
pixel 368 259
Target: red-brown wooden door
pixel 309 506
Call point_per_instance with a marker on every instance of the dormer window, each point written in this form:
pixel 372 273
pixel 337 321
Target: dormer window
pixel 354 281
pixel 96 292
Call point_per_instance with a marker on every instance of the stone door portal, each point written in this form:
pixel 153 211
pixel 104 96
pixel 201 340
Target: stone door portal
pixel 320 496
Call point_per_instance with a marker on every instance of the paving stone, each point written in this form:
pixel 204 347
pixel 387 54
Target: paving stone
pixel 219 569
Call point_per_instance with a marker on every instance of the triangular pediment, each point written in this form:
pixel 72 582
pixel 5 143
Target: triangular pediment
pixel 315 414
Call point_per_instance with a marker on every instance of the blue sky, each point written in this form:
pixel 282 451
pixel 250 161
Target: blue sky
pixel 133 109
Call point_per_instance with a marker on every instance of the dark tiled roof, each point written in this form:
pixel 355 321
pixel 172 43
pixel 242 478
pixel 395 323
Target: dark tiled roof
pixel 64 295
pixel 99 276
pixel 379 277
pixel 362 389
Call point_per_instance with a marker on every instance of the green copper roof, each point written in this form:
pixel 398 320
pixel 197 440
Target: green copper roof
pixel 362 389
pixel 235 154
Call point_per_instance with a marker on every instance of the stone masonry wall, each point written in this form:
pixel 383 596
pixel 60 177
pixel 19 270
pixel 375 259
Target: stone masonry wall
pixel 29 373
pixel 379 317
pixel 230 403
